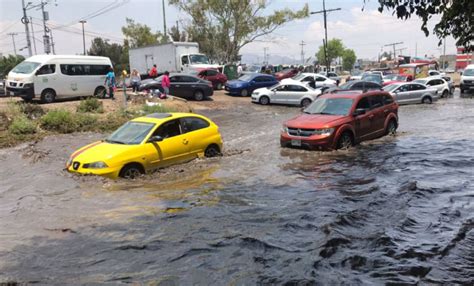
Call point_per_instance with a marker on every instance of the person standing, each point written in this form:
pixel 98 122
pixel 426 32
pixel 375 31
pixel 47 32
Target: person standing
pixel 165 83
pixel 110 82
pixel 239 70
pixel 153 72
pixel 135 80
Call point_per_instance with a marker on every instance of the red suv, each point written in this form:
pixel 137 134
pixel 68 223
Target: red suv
pixel 218 79
pixel 286 73
pixel 342 119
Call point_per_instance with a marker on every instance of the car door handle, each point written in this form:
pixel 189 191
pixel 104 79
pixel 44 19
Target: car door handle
pixel 177 85
pixel 185 141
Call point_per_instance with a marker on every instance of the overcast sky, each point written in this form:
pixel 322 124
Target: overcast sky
pixel 366 31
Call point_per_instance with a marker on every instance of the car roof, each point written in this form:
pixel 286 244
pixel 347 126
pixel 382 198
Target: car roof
pixel 353 94
pixel 161 117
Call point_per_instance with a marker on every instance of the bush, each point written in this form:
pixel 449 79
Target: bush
pixel 92 105
pixel 86 122
pixel 112 121
pixel 32 111
pixel 21 125
pixel 59 120
pixel 147 109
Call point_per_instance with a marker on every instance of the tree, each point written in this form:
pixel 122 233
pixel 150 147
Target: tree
pixel 176 34
pixel 348 59
pixel 117 53
pixel 140 35
pixel 8 63
pixel 223 27
pixel 457 17
pixel 335 50
pixel 387 56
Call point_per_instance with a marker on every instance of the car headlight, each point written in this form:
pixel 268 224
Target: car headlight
pixel 28 85
pixel 255 93
pixel 96 165
pixel 284 128
pixel 325 131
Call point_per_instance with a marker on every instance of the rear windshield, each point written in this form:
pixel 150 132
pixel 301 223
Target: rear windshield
pixel 25 67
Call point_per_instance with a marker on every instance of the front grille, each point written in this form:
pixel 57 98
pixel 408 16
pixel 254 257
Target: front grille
pixel 13 84
pixel 468 81
pixel 300 132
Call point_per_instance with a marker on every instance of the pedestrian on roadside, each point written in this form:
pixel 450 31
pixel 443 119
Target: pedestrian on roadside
pixel 165 83
pixel 110 82
pixel 153 72
pixel 239 70
pixel 135 80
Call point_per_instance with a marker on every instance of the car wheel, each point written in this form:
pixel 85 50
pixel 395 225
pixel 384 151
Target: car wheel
pixel 219 86
pixel 48 96
pixel 391 127
pixel 427 100
pixel 198 95
pixel 212 151
pixel 131 171
pixel 244 92
pixel 445 94
pixel 345 141
pixel 305 102
pixel 264 100
pixel 100 92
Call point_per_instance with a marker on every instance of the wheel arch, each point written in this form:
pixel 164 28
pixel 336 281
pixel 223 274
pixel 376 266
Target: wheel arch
pixel 134 163
pixel 341 130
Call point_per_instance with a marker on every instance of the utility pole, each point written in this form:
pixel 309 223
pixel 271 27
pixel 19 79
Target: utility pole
pixel 302 44
pixel 444 55
pixel 33 34
pixel 52 41
pixel 324 12
pixel 165 33
pixel 416 49
pixel 265 51
pixel 393 45
pixel 46 43
pixel 13 39
pixel 83 36
pixel 25 21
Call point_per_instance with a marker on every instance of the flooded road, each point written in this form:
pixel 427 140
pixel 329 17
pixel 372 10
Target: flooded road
pixel 394 210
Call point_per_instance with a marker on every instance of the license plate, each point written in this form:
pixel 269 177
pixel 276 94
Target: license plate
pixel 296 143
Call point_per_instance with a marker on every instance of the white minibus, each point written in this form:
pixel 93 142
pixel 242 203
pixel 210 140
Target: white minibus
pixel 51 77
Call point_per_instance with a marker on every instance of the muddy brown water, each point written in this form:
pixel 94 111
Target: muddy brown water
pixel 392 210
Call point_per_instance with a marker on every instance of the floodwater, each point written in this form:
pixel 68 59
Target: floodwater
pixel 399 209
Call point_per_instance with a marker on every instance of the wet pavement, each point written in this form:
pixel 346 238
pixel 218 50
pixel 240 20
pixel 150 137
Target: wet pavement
pixel 398 209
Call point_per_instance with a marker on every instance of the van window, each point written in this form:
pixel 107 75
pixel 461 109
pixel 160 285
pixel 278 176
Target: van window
pixel 46 69
pixel 184 60
pixel 81 70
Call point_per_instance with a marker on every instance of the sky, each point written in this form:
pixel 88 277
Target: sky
pixel 359 25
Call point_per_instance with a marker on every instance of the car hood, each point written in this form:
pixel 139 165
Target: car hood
pixel 313 121
pixel 99 151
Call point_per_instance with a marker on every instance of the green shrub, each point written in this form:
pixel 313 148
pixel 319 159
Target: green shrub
pixel 90 104
pixel 155 109
pixel 21 125
pixel 86 122
pixel 112 121
pixel 59 120
pixel 32 111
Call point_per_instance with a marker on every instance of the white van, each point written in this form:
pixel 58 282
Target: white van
pixel 467 79
pixel 50 77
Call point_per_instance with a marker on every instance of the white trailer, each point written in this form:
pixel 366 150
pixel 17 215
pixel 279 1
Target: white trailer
pixel 171 57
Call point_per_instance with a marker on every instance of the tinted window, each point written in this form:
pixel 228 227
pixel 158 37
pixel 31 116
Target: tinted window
pixel 417 87
pixel 72 69
pixel 320 78
pixel 188 79
pixel 296 88
pixel 372 85
pixel 376 101
pixel 308 78
pixel 99 69
pixel 175 78
pixel 404 88
pixel 357 85
pixel 387 99
pixel 211 73
pixel 184 60
pixel 363 103
pixel 193 123
pixel 76 70
pixel 168 129
pixel 46 69
pixel 262 79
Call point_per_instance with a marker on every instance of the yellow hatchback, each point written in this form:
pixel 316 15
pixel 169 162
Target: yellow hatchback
pixel 149 142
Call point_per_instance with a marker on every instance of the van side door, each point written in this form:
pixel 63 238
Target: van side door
pixel 45 77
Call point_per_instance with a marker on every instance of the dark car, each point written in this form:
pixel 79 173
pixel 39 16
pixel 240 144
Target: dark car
pixel 181 85
pixel 286 73
pixel 356 85
pixel 246 84
pixel 218 79
pixel 373 77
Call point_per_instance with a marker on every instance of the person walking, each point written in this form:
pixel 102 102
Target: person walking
pixel 110 82
pixel 135 80
pixel 165 83
pixel 153 72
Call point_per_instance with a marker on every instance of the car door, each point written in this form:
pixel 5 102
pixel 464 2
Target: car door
pixel 416 93
pixel 212 76
pixel 196 130
pixel 175 86
pixel 402 93
pixel 295 94
pixel 319 81
pixel 279 94
pixel 379 111
pixel 45 78
pixel 363 122
pixel 435 83
pixel 189 85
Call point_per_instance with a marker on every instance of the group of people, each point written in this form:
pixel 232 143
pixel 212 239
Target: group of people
pixel 135 81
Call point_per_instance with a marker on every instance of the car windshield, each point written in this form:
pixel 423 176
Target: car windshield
pixel 391 87
pixel 469 72
pixel 401 77
pixel 371 77
pixel 199 59
pixel 299 76
pixel 330 106
pixel 130 133
pixel 25 67
pixel 246 77
pixel 253 69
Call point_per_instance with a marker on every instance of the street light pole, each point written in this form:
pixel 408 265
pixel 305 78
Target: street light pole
pixel 83 36
pixel 13 39
pixel 25 21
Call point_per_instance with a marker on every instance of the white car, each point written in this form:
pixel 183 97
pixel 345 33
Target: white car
pixel 436 73
pixel 288 92
pixel 319 80
pixel 437 82
pixel 411 92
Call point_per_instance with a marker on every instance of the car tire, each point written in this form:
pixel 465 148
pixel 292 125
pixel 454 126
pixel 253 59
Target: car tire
pixel 48 96
pixel 264 100
pixel 219 86
pixel 198 95
pixel 131 171
pixel 212 151
pixel 244 92
pixel 427 100
pixel 345 141
pixel 445 94
pixel 100 92
pixel 391 127
pixel 305 102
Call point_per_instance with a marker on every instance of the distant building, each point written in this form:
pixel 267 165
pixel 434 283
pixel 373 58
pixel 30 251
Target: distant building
pixel 463 59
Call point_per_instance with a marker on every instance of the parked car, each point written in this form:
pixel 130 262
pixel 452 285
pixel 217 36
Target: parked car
pixel 2 87
pixel 394 78
pixel 411 92
pixel 356 85
pixel 339 121
pixel 146 143
pixel 467 79
pixel 290 92
pixel 450 84
pixel 218 79
pixel 436 73
pixel 437 82
pixel 314 80
pixel 373 77
pixel 181 85
pixel 246 84
pixel 355 75
pixel 333 76
pixel 286 73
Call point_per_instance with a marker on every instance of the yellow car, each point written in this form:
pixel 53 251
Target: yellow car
pixel 147 143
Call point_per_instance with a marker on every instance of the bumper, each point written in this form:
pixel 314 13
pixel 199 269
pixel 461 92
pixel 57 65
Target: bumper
pixel 110 172
pixel 467 86
pixel 314 142
pixel 28 92
pixel 233 91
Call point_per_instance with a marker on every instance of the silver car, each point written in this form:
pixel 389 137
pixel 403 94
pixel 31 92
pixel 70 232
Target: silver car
pixel 289 92
pixel 411 92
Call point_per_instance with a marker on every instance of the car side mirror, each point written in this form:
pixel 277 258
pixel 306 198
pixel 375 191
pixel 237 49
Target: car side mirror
pixel 156 138
pixel 460 73
pixel 359 111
